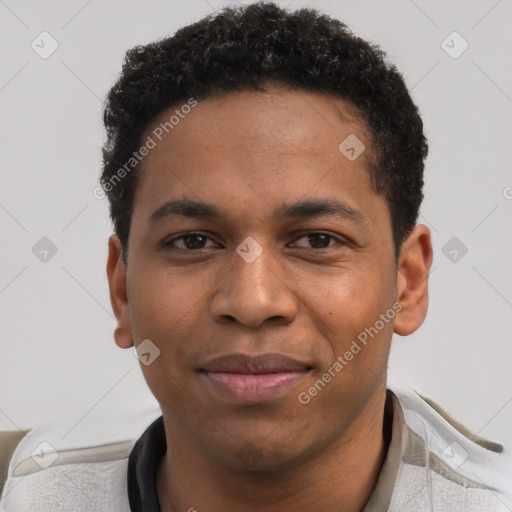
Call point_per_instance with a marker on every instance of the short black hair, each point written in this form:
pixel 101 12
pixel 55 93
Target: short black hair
pixel 245 48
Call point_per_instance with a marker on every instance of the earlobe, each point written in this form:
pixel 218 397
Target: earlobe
pixel 412 280
pixel 123 338
pixel 116 274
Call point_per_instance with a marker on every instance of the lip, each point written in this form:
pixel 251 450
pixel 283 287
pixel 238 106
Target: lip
pixel 253 379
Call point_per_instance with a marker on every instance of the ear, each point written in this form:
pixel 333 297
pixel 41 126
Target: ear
pixel 116 274
pixel 414 265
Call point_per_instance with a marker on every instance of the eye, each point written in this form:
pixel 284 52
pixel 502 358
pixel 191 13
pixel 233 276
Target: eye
pixel 188 242
pixel 318 240
pixel 197 241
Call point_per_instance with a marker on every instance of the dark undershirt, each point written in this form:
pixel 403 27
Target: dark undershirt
pixel 152 446
pixel 143 462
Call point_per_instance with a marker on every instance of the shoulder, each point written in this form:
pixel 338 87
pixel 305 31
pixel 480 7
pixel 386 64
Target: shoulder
pixel 55 469
pixel 441 459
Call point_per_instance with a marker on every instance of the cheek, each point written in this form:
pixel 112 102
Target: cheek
pixel 161 312
pixel 346 299
pixel 345 307
pixel 164 301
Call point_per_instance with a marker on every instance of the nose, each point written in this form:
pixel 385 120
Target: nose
pixel 254 293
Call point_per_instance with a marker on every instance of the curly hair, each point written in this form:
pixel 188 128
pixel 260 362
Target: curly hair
pixel 245 48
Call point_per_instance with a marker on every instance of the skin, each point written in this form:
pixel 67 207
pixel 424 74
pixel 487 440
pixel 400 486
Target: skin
pixel 248 152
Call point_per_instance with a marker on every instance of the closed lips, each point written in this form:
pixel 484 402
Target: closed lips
pixel 253 379
pixel 244 365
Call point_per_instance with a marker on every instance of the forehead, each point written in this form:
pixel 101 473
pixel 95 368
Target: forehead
pixel 278 119
pixel 253 149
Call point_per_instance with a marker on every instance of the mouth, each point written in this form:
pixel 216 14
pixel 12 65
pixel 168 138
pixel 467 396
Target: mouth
pixel 253 379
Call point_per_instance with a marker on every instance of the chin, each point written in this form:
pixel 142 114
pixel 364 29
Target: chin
pixel 265 456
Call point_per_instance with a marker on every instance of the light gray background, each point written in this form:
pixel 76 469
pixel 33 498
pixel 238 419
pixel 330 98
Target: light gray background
pixel 57 354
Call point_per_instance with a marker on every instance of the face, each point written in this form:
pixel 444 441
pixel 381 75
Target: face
pixel 258 255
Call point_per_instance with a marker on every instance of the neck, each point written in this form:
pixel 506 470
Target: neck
pixel 340 478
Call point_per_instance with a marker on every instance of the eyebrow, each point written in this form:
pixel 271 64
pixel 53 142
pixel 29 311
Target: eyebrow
pixel 303 209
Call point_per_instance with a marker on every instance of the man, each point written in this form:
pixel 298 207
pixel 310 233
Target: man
pixel 264 172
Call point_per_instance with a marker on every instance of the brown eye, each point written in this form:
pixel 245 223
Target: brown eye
pixel 318 240
pixel 188 242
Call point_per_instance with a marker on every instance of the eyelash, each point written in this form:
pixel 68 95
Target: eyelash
pixel 169 243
